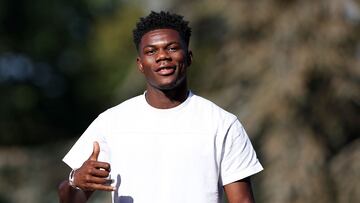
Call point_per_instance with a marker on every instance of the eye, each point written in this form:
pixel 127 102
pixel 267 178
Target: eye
pixel 173 48
pixel 150 51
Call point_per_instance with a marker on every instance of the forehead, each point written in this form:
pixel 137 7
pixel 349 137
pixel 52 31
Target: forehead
pixel 160 36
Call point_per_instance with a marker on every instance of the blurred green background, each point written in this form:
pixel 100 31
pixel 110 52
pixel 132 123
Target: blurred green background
pixel 289 69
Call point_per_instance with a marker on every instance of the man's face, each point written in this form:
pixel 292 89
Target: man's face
pixel 163 59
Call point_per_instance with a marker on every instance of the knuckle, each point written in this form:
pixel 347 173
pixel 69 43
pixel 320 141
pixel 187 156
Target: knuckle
pixel 89 170
pixel 87 178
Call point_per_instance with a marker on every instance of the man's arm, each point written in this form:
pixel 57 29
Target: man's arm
pixel 68 194
pixel 239 191
pixel 91 176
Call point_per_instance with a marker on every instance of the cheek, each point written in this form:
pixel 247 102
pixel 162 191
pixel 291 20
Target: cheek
pixel 149 63
pixel 148 60
pixel 181 59
pixel 146 67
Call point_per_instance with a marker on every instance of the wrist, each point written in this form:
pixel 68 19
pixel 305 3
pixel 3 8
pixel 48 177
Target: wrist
pixel 72 179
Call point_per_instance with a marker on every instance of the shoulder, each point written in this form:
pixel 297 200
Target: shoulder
pixel 124 108
pixel 212 109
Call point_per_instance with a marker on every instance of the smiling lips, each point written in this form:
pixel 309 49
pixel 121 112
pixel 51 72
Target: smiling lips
pixel 166 70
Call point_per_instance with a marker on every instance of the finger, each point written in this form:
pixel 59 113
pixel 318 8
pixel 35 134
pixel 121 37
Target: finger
pixel 94 186
pixel 90 179
pixel 96 151
pixel 104 181
pixel 98 180
pixel 99 173
pixel 100 165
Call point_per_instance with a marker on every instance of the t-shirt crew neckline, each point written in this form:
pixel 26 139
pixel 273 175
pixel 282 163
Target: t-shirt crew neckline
pixel 174 109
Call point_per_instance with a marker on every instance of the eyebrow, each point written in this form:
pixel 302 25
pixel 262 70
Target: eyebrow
pixel 166 45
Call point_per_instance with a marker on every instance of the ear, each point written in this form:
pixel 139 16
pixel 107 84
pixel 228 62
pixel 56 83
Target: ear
pixel 189 58
pixel 139 64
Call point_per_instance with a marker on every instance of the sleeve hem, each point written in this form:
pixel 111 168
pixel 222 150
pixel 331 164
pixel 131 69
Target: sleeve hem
pixel 242 174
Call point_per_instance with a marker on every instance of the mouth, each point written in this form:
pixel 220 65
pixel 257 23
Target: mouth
pixel 166 70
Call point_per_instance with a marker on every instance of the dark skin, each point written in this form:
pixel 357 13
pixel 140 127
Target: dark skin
pixel 91 176
pixel 163 58
pixel 239 191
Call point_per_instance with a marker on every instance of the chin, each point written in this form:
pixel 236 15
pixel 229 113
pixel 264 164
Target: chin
pixel 167 86
pixel 170 85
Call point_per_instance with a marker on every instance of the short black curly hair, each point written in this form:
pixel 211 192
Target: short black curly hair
pixel 161 20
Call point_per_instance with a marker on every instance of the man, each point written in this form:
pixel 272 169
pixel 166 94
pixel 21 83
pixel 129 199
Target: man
pixel 167 145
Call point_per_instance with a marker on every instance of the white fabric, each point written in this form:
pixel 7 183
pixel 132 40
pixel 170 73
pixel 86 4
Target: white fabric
pixel 179 155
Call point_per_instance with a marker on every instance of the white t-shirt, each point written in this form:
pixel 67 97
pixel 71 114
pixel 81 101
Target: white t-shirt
pixel 180 155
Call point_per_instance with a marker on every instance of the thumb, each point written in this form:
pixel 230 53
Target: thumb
pixel 96 151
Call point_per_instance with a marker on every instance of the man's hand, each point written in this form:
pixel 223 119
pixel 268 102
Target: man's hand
pixel 93 174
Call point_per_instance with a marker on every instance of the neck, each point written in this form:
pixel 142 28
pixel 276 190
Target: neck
pixel 165 99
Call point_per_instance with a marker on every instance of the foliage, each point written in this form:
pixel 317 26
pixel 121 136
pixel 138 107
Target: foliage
pixel 60 63
pixel 288 69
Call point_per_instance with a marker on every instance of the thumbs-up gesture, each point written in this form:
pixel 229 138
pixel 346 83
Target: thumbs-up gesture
pixel 93 174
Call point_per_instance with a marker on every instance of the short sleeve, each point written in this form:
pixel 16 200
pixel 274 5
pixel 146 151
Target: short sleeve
pixel 239 158
pixel 83 147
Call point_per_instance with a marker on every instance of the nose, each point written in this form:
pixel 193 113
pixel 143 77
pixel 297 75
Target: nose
pixel 162 55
